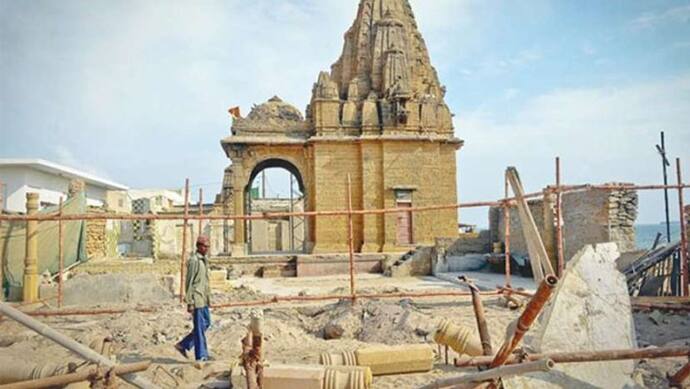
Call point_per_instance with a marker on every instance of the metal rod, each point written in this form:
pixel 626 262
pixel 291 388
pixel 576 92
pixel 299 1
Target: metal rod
pixel 585 356
pixel 478 307
pixel 559 216
pixel 532 310
pixel 201 211
pixel 61 258
pixel 278 299
pixel 278 215
pixel 498 372
pixel 506 234
pixel 681 375
pixel 685 276
pixel 350 239
pixel 86 312
pixel 91 373
pixel 70 344
pixel 183 255
pixel 664 164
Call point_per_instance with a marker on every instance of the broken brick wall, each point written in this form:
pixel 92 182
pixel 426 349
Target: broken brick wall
pixel 591 216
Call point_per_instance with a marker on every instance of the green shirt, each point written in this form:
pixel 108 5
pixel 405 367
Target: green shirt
pixel 197 283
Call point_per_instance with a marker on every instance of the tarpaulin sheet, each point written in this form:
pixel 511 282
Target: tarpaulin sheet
pixel 13 242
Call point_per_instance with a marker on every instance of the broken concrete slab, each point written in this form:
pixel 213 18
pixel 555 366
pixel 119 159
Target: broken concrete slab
pixel 589 311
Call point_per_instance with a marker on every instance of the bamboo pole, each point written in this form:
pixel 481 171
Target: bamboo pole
pixel 350 239
pixel 183 255
pixel 559 216
pixel 61 258
pixel 585 356
pixel 526 319
pixel 491 374
pixel 685 274
pixel 70 344
pixel 91 373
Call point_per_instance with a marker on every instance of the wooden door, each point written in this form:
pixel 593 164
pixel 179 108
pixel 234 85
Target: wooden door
pixel 404 233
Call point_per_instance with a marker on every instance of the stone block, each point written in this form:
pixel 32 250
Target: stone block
pixel 589 311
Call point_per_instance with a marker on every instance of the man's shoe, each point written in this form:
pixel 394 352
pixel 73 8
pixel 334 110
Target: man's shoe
pixel 208 359
pixel 181 350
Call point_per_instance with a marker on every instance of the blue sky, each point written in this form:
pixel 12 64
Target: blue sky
pixel 138 91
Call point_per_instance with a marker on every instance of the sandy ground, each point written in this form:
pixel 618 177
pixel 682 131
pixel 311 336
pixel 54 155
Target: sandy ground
pixel 294 332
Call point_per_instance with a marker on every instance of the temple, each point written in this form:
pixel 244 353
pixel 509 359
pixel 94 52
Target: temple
pixel 379 119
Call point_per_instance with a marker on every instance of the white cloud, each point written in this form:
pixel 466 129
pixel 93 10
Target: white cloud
pixel 680 14
pixel 602 134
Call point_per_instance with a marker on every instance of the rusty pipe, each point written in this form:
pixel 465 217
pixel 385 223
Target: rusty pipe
pixel 685 274
pixel 91 373
pixel 183 255
pixel 61 257
pixel 491 374
pixel 478 306
pixel 585 356
pixel 532 310
pixel 676 380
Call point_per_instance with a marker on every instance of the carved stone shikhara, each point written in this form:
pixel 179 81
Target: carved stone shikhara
pixel 378 116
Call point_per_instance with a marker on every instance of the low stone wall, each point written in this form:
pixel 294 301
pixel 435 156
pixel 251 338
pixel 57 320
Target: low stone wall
pixel 589 217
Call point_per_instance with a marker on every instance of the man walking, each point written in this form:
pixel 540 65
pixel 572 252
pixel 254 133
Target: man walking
pixel 198 300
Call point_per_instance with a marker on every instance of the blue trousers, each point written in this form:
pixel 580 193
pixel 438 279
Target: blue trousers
pixel 197 338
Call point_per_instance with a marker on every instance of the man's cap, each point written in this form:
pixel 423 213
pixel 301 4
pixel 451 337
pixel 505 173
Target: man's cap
pixel 202 240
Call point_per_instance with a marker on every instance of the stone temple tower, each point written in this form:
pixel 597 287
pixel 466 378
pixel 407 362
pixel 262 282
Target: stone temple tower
pixel 379 117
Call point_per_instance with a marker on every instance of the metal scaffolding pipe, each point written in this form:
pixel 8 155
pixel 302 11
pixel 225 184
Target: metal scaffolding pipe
pixel 183 255
pixel 559 216
pixel 478 307
pixel 61 258
pixel 70 344
pixel 532 310
pixel 350 239
pixel 506 233
pixel 681 375
pixel 91 373
pixel 685 274
pixel 491 374
pixel 585 356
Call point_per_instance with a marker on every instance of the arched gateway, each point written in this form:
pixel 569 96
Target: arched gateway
pixel 378 116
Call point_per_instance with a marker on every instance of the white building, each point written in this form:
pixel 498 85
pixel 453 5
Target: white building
pixel 50 180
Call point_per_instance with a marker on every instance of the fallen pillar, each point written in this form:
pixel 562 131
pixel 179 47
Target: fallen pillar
pixel 584 356
pixel 91 373
pixel 532 310
pixel 491 374
pixel 70 344
pixel 308 377
pixel 382 360
pixel 457 337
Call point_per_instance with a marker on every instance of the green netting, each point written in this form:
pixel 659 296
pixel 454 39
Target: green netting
pixel 13 243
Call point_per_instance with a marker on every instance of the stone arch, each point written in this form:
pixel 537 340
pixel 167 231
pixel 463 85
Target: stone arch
pixel 296 239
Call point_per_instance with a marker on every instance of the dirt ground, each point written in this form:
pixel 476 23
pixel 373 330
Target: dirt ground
pixel 294 332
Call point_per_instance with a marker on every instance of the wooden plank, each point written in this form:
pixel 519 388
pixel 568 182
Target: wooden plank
pixel 539 259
